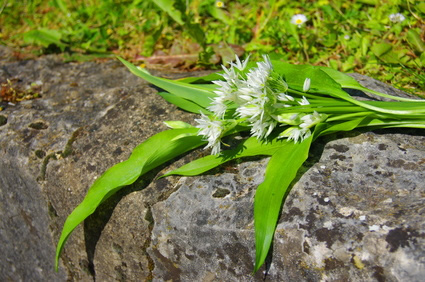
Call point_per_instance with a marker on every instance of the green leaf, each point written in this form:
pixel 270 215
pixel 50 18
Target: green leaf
pixel 347 81
pixel 323 128
pixel 219 14
pixel 247 148
pixel 421 7
pixel 183 103
pixel 195 93
pixel 280 172
pixel 44 37
pixel 207 78
pixel 381 49
pixel 168 7
pixel 415 40
pixel 62 6
pixel 196 32
pixel 155 151
pixel 323 84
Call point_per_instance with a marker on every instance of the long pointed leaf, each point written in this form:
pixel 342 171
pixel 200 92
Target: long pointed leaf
pixel 183 103
pixel 249 147
pixel 168 7
pixel 195 93
pixel 280 172
pixel 155 151
pixel 347 81
pixel 343 126
pixel 323 84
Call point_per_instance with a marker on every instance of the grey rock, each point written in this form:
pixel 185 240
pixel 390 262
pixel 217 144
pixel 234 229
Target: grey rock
pixel 355 214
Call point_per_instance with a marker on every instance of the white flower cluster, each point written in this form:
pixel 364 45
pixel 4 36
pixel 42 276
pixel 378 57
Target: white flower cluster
pixel 396 18
pixel 257 98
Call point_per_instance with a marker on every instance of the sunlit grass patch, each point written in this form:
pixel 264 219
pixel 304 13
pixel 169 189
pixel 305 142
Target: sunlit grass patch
pixel 382 39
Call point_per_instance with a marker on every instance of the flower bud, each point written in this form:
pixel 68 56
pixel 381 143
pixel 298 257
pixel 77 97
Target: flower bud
pixel 306 85
pixel 288 118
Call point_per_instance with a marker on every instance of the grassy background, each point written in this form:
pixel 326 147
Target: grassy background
pixel 351 36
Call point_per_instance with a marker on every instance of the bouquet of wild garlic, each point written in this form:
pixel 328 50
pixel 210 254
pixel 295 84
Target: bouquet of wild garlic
pixel 284 108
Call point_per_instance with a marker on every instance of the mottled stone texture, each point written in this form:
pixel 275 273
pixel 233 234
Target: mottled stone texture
pixel 355 214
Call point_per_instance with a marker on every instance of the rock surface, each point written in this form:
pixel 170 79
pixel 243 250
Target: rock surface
pixel 356 214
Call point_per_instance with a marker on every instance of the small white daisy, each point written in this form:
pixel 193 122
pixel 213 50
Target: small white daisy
pixel 298 19
pixel 396 18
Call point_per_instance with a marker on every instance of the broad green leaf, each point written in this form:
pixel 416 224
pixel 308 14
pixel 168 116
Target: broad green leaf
pixel 207 78
pixel 155 151
pixel 347 81
pixel 320 82
pixel 183 103
pixel 415 40
pixel 323 84
pixel 219 14
pixel 196 32
pixel 342 126
pixel 247 148
pixel 281 171
pixel 44 37
pixel 195 93
pixel 381 49
pixel 386 53
pixel 168 7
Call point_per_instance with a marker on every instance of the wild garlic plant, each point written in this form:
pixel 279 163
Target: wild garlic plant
pixel 284 108
pixel 258 99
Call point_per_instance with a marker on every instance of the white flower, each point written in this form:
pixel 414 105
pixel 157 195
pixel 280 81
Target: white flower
pixel 218 107
pixel 230 75
pixel 257 77
pixel 284 97
pixel 240 65
pixel 306 85
pixel 298 19
pixel 250 111
pixel 396 18
pixel 267 64
pixel 220 4
pixel 211 130
pixel 229 89
pixel 289 118
pixel 295 133
pixel 262 129
pixel 304 101
pixel 311 120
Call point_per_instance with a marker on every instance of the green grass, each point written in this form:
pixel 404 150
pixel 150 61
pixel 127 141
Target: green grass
pixel 351 36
